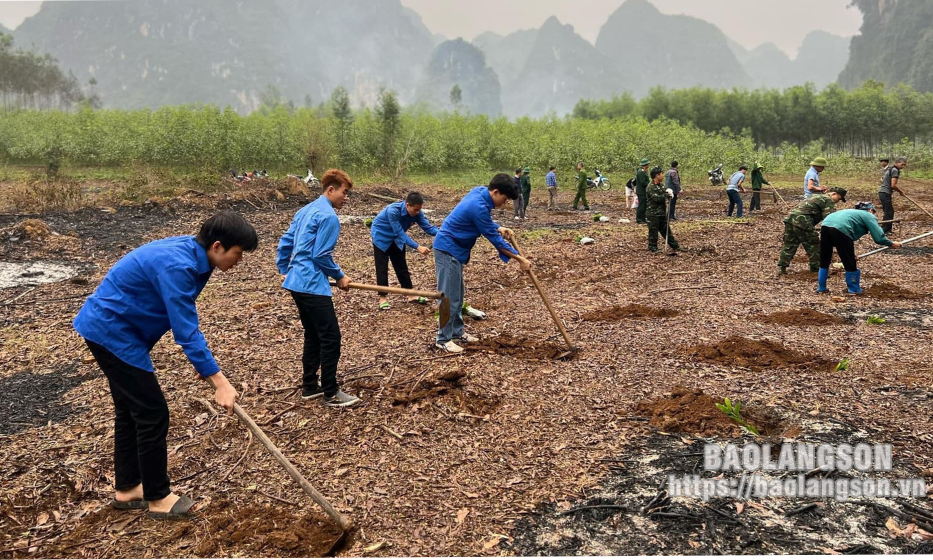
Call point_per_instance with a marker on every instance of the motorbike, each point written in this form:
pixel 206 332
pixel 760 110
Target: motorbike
pixel 599 182
pixel 309 179
pixel 715 176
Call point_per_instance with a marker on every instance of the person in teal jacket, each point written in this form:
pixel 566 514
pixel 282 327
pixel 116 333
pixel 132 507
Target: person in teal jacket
pixel 840 231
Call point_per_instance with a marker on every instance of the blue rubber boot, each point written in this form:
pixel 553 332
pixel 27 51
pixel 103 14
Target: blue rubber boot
pixel 822 278
pixel 858 281
pixel 852 282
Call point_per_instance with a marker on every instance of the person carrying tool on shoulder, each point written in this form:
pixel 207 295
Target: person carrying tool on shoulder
pixel 306 258
pixel 656 212
pixel 758 181
pixel 641 186
pixel 840 231
pixel 799 228
pixel 151 290
pixel 389 232
pixel 454 243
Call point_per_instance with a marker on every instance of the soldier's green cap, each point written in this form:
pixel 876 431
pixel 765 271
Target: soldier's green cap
pixel 526 170
pixel 758 165
pixel 819 162
pixel 840 191
pixel 643 162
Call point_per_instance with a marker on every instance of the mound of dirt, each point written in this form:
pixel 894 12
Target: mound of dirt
pixel 884 290
pixel 756 355
pixel 694 412
pixel 268 532
pixel 632 310
pixel 507 345
pixel 30 229
pixel 800 317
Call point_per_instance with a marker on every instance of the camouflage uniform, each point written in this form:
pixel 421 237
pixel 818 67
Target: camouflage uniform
pixel 656 214
pixel 799 229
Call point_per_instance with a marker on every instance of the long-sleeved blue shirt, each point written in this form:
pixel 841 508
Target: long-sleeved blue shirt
pixel 855 224
pixel 392 224
pixel 150 290
pixel 306 251
pixel 466 222
pixel 550 179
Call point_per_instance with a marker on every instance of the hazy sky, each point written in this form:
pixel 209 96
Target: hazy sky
pixel 748 22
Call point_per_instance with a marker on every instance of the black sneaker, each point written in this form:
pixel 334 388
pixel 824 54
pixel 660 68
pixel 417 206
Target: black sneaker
pixel 310 394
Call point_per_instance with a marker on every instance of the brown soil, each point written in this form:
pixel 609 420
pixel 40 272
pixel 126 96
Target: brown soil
pixel 694 412
pixel 632 310
pixel 757 355
pixel 800 317
pixel 884 290
pixel 269 532
pixel 802 275
pixel 508 345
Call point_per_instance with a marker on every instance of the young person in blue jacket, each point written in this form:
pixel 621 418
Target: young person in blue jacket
pixel 148 292
pixel 454 241
pixel 306 258
pixel 390 237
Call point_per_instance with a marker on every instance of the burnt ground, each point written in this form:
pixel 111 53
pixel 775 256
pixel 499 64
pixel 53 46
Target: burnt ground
pixel 453 455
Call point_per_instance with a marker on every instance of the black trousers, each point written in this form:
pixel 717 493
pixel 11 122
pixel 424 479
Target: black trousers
pixel 831 238
pixel 641 211
pixel 140 454
pixel 672 211
pixel 756 201
pixel 887 207
pixel 322 341
pixel 397 256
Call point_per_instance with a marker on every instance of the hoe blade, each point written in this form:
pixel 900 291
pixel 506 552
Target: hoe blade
pixel 443 311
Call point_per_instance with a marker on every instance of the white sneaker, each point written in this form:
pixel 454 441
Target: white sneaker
pixel 466 337
pixel 474 313
pixel 449 346
pixel 516 218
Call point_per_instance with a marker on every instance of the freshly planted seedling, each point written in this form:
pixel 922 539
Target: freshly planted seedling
pixel 875 320
pixel 597 216
pixel 843 365
pixel 734 411
pixel 368 222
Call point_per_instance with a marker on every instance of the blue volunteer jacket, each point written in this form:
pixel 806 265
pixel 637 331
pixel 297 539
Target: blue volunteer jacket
pixel 392 224
pixel 150 290
pixel 468 220
pixel 306 251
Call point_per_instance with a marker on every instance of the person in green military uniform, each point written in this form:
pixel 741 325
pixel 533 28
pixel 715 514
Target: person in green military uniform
pixel 656 196
pixel 581 188
pixel 641 185
pixel 758 181
pixel 799 227
pixel 526 187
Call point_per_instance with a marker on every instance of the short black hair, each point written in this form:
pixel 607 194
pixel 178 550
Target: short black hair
pixel 655 171
pixel 552 168
pixel 674 163
pixel 505 185
pixel 414 199
pixel 231 229
pixel 744 167
pixel 519 170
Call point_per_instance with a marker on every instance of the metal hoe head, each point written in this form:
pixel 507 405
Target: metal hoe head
pixel 443 310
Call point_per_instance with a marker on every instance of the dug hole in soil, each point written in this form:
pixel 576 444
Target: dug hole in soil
pixel 801 317
pixel 757 355
pixel 632 513
pixel 630 311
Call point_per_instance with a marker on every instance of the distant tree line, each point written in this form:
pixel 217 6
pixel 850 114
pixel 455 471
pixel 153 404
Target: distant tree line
pixel 859 122
pixel 31 81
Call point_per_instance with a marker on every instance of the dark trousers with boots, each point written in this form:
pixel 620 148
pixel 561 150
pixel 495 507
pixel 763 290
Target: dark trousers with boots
pixel 756 201
pixel 140 454
pixel 672 212
pixel 658 226
pixel 322 341
pixel 640 212
pixel 397 257
pixel 887 207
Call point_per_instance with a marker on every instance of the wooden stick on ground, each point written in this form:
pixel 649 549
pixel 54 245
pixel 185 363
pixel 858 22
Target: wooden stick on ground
pixel 338 518
pixel 547 301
